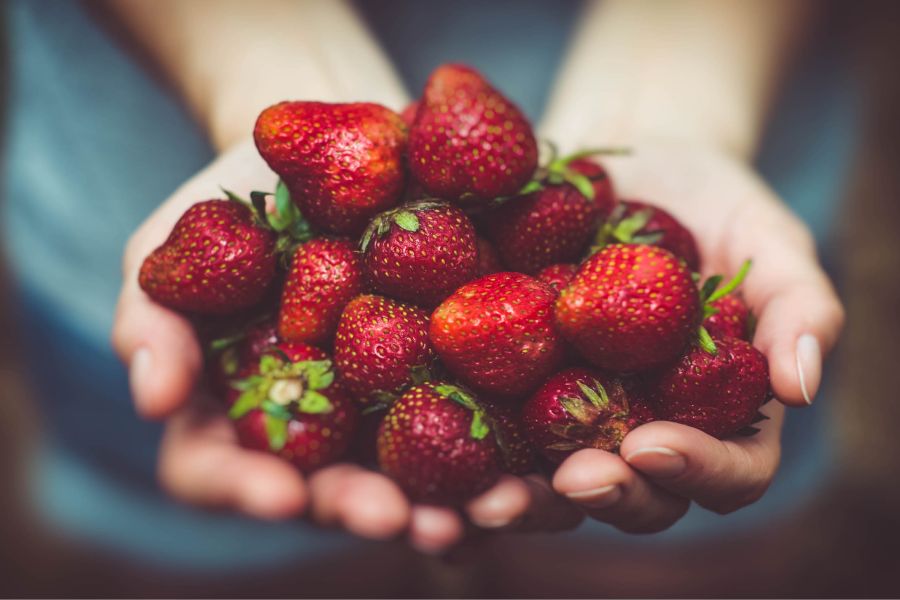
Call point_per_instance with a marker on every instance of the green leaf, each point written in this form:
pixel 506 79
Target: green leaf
pixel 733 284
pixel 457 395
pixel 575 407
pixel 709 286
pixel 628 227
pixel 229 361
pixel 367 236
pixel 479 428
pixel 242 385
pixel 319 380
pixel 374 408
pixel 269 364
pixel 581 183
pixel 314 403
pixel 275 409
pixel 283 202
pixel 276 431
pixel 706 341
pixel 234 197
pixel 225 342
pixel 563 446
pixel 600 400
pixel 531 187
pixel 419 374
pixel 246 402
pixel 407 220
pixel 648 239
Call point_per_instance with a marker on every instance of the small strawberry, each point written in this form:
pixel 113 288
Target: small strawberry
pixel 218 259
pixel 420 252
pixel 343 163
pixel 634 222
pixel 630 308
pixel 408 114
pixel 731 319
pixel 557 276
pixel 325 274
pixel 294 410
pixel 488 259
pixel 436 443
pixel 497 335
pixel 469 144
pixel 719 393
pixel 575 409
pixel 381 347
pixel 516 452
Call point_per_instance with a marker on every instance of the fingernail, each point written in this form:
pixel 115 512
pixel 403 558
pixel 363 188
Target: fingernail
pixel 809 365
pixel 491 523
pixel 139 373
pixel 657 461
pixel 600 497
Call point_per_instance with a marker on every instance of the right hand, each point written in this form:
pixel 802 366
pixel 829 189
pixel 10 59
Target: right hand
pixel 201 461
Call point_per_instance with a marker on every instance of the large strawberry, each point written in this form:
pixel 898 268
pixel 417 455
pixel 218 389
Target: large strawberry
pixel 325 274
pixel 420 252
pixel 469 144
pixel 436 443
pixel 718 392
pixel 630 308
pixel 381 347
pixel 575 409
pixel 343 163
pixel 219 258
pixel 634 222
pixel 497 335
pixel 294 410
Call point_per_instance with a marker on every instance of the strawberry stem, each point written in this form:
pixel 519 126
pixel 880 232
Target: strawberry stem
pixel 733 284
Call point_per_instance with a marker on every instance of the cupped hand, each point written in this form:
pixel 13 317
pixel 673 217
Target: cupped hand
pixel 201 461
pixel 662 467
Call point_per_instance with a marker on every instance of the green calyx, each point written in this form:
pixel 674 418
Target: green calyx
pixel 405 217
pixel 619 229
pixel 711 291
pixel 558 171
pixel 479 429
pixel 282 389
pixel 286 220
pixel 588 406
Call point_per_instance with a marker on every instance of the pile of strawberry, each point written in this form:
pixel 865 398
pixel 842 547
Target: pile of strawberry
pixel 418 293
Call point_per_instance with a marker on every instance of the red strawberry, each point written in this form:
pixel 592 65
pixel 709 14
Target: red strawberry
pixel 325 275
pixel 496 333
pixel 634 222
pixel 381 347
pixel 516 452
pixel 469 144
pixel 294 410
pixel 435 442
pixel 582 164
pixel 420 252
pixel 575 409
pixel 343 163
pixel 630 308
pixel 557 276
pixel 717 393
pixel 488 259
pixel 409 113
pixel 731 319
pixel 218 259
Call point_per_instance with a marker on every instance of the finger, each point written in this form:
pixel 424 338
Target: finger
pixel 800 315
pixel 365 503
pixel 201 463
pixel 433 529
pixel 721 475
pixel 610 491
pixel 527 503
pixel 159 347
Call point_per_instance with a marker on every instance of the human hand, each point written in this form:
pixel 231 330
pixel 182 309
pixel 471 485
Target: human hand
pixel 662 467
pixel 201 461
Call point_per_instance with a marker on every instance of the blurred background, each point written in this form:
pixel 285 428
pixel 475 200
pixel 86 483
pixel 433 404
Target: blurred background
pixel 840 537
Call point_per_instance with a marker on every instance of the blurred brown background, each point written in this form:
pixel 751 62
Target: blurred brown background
pixel 846 543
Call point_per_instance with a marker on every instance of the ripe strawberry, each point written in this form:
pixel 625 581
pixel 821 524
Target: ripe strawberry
pixel 294 410
pixel 496 333
pixel 557 276
pixel 630 308
pixel 516 452
pixel 435 442
pixel 717 393
pixel 420 252
pixel 343 163
pixel 634 222
pixel 469 144
pixel 218 259
pixel 488 259
pixel 381 347
pixel 732 318
pixel 575 409
pixel 325 275
pixel 408 114
pixel 582 164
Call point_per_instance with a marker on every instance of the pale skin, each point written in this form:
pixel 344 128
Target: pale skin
pixel 692 111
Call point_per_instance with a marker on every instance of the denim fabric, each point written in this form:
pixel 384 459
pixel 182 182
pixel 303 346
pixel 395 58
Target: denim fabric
pixel 94 143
